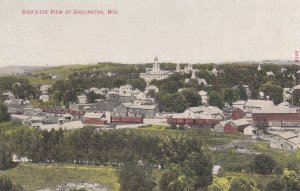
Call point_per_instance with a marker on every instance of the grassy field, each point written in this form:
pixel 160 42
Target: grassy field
pixel 37 176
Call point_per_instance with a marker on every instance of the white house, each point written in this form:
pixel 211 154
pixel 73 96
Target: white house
pixel 239 104
pixel 252 104
pixel 45 88
pixel 285 140
pixel 209 111
pixel 270 73
pixel 44 98
pixel 82 99
pixel 249 130
pixel 125 90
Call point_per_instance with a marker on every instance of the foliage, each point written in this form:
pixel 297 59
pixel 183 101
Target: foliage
pixel 219 184
pixel 6 185
pixel 240 184
pixel 274 185
pixel 5 156
pixel 3 112
pixel 215 99
pixel 274 91
pixel 263 164
pixel 191 97
pixel 136 177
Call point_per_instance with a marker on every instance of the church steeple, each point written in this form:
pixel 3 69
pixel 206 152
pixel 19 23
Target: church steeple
pixel 258 68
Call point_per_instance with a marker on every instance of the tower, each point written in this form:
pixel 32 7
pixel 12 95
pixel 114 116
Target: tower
pixel 156 66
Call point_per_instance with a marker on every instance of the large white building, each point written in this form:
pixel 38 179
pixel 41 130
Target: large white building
pixel 155 73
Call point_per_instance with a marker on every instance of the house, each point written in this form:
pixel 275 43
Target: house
pixel 252 104
pixel 44 98
pixel 125 90
pixel 235 126
pixel 82 99
pixel 94 119
pixel 155 73
pixel 214 71
pixel 270 73
pixel 8 95
pixel 285 141
pixel 212 111
pixel 239 104
pixel 238 113
pixel 250 131
pixel 129 109
pixel 45 88
pixel 220 126
pixel 140 96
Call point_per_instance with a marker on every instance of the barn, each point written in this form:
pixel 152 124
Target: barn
pixel 235 126
pixel 238 113
pixel 129 109
pixel 94 119
pixel 278 116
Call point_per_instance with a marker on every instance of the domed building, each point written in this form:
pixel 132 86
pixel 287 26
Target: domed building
pixel 155 73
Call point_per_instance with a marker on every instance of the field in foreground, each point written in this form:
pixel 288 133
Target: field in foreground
pixel 37 176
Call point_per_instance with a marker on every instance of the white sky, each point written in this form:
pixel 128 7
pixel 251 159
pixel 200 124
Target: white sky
pixel 174 30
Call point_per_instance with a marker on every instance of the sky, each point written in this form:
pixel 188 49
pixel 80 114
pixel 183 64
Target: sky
pixel 190 31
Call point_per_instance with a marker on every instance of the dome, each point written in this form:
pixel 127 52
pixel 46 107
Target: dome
pixel 155 59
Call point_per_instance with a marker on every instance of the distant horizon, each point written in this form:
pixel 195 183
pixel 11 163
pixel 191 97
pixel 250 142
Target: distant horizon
pixel 225 62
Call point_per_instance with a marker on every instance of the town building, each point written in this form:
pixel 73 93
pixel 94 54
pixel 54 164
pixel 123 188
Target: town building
pixel 278 116
pixel 285 140
pixel 94 119
pixel 236 126
pixel 155 73
pixel 252 105
pixel 82 99
pixel 129 109
pixel 238 113
pixel 44 98
pixel 204 112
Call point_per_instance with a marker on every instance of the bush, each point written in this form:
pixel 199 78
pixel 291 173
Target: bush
pixel 263 164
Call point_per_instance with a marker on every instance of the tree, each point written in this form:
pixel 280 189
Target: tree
pixel 199 164
pixel 219 184
pixel 291 180
pixel 3 112
pixel 240 184
pixel 229 95
pixel 242 92
pixel 274 91
pixel 5 157
pixel 6 185
pixel 138 83
pixel 191 97
pixel 274 185
pixel 133 177
pixel 263 164
pixel 174 179
pixel 171 102
pixel 215 99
